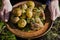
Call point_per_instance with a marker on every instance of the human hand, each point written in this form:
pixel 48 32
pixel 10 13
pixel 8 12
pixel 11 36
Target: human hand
pixel 6 8
pixel 54 9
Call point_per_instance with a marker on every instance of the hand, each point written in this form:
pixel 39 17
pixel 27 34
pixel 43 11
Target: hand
pixel 6 8
pixel 54 9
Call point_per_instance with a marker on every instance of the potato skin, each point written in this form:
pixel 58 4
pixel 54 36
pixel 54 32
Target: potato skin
pixel 17 12
pixel 22 23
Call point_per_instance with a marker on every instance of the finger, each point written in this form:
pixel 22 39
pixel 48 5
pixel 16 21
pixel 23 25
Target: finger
pixel 53 14
pixel 6 16
pixel 2 15
pixel 57 11
pixel 52 10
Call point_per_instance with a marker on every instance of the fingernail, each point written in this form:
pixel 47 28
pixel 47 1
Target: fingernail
pixel 6 20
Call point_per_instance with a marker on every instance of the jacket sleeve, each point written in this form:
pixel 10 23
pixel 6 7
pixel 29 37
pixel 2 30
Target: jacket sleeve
pixel 48 2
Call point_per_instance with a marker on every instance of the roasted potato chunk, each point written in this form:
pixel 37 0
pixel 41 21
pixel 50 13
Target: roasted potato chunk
pixel 17 12
pixel 29 13
pixel 31 4
pixel 22 23
pixel 14 19
pixel 24 6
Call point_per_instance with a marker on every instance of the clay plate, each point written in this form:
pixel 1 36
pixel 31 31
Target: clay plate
pixel 33 34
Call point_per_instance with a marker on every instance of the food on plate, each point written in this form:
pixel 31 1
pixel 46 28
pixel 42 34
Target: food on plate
pixel 28 17
pixel 23 11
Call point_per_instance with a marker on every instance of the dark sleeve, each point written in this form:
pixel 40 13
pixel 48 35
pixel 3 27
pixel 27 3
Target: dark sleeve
pixel 42 1
pixel 15 1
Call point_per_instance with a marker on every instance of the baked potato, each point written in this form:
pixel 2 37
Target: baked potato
pixel 22 23
pixel 14 19
pixel 17 11
pixel 30 4
pixel 29 13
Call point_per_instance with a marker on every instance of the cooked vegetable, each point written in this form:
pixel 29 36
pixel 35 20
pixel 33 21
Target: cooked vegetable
pixel 23 11
pixel 14 19
pixel 35 26
pixel 17 12
pixel 29 13
pixel 23 16
pixel 39 22
pixel 28 20
pixel 22 23
pixel 42 13
pixel 24 6
pixel 31 4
